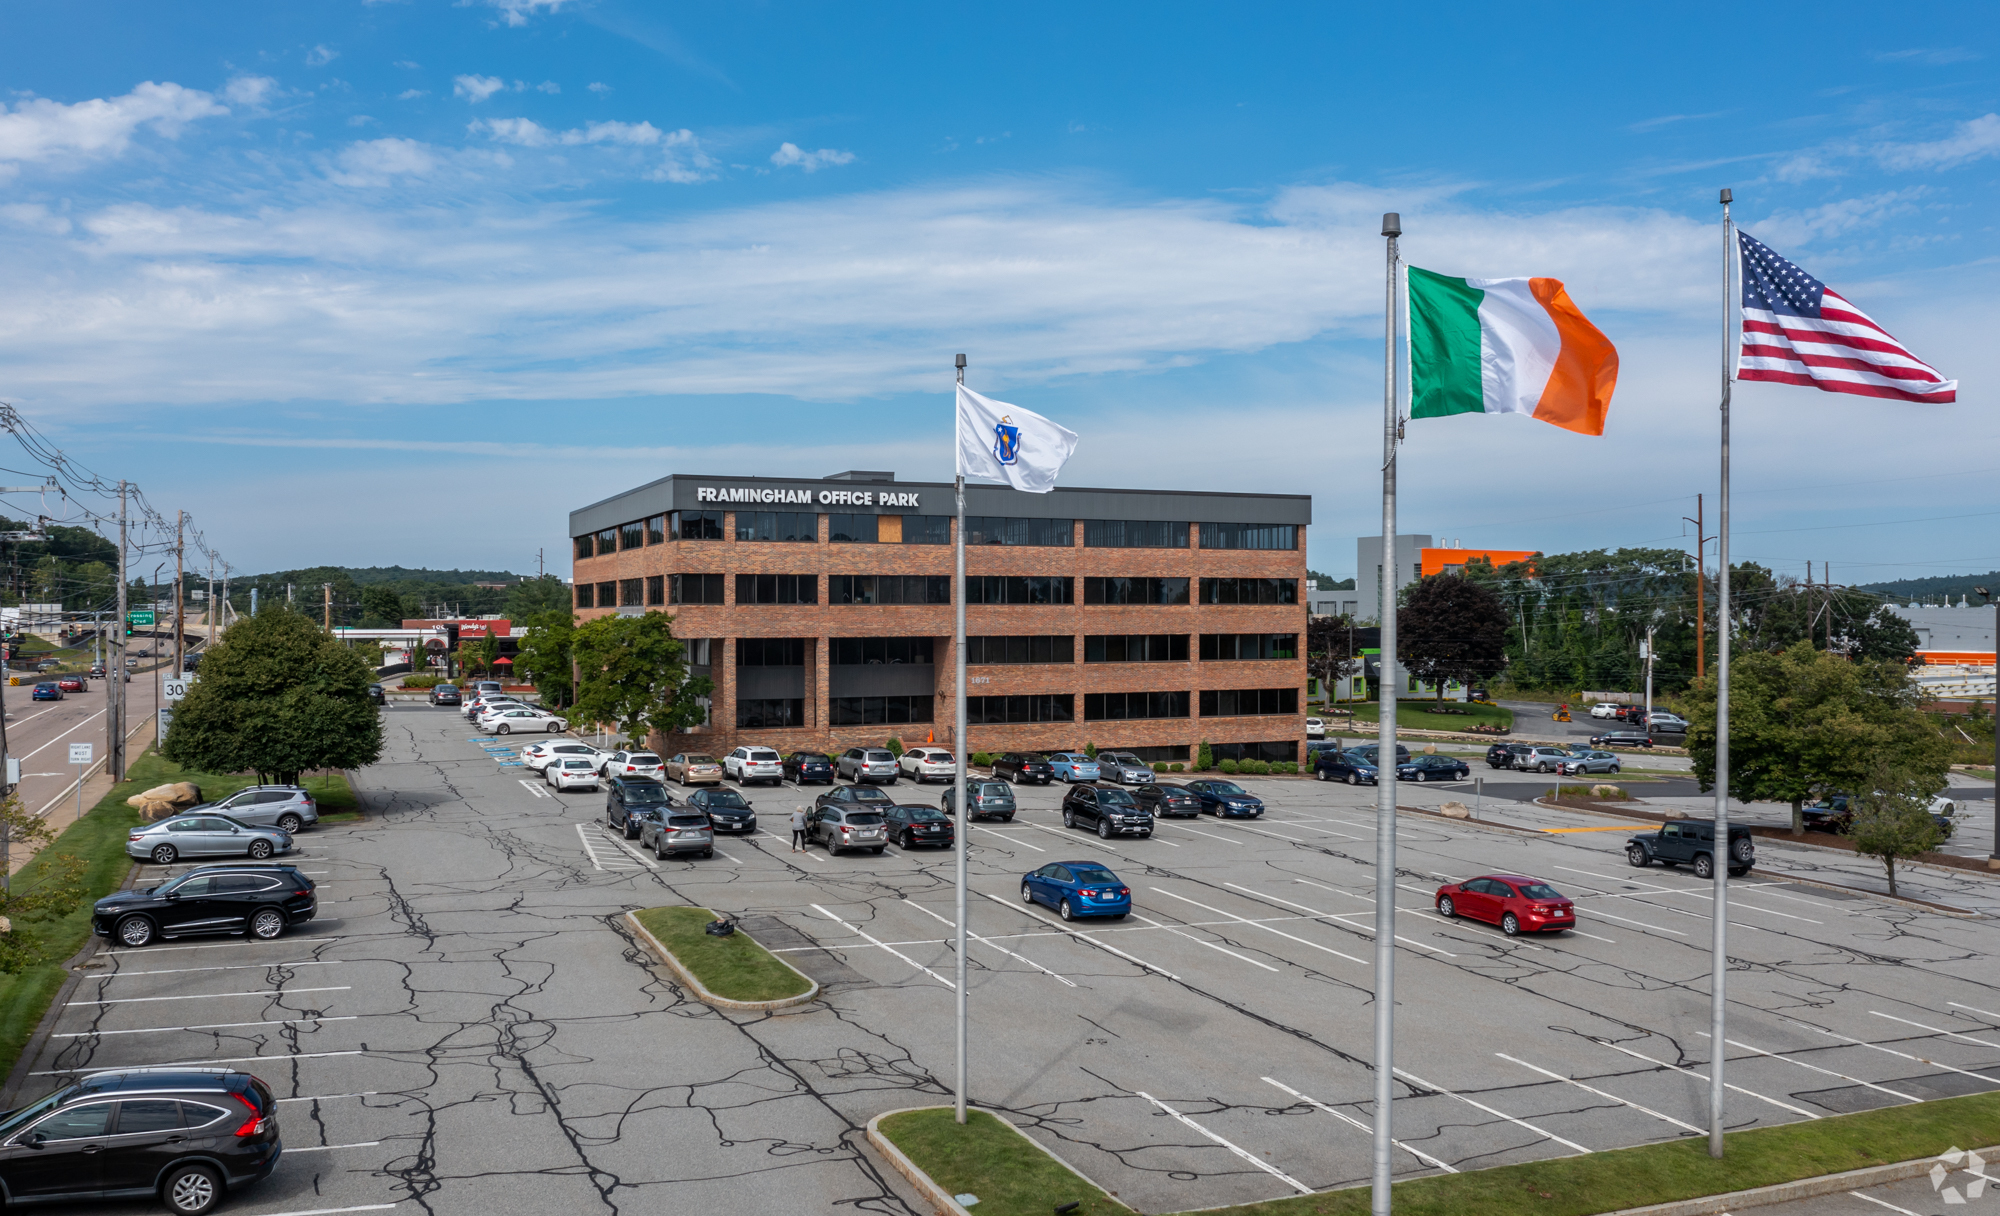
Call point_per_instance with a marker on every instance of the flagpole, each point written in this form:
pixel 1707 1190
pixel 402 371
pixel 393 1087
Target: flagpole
pixel 1385 756
pixel 964 825
pixel 1718 1002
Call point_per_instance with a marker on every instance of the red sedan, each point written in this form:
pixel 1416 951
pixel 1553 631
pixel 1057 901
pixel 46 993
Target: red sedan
pixel 72 684
pixel 1515 903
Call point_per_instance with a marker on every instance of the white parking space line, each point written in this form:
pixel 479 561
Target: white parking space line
pixel 1883 1202
pixel 1032 914
pixel 287 942
pixel 534 787
pixel 598 863
pixel 1797 1110
pixel 1977 1076
pixel 635 854
pixel 327 1148
pixel 1009 839
pixel 1070 834
pixel 366 1093
pixel 209 996
pixel 1934 1030
pixel 729 857
pixel 1547 1135
pixel 891 949
pixel 366 1207
pixel 1266 1166
pixel 1210 835
pixel 1639 923
pixel 1211 945
pixel 1973 1009
pixel 310 1055
pixel 1589 1089
pixel 119 975
pixel 1345 917
pixel 995 945
pixel 99 1034
pixel 1825 1072
pixel 1424 1157
pixel 1259 925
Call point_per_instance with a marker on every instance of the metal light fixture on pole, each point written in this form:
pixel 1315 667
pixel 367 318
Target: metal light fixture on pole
pixel 964 825
pixel 1993 860
pixel 1385 757
pixel 1718 1000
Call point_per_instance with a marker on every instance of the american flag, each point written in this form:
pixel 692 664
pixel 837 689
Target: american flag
pixel 1796 330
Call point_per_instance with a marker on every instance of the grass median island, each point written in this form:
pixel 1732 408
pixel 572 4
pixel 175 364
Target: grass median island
pixel 732 967
pixel 1418 715
pixel 990 1159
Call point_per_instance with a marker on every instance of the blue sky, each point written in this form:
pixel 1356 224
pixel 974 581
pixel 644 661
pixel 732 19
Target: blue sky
pixel 412 280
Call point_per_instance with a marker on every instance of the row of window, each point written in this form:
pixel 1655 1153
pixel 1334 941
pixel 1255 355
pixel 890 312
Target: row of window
pixel 870 529
pixel 1031 589
pixel 1019 649
pixel 770 713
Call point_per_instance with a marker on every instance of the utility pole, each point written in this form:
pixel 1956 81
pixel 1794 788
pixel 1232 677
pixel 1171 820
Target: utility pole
pixel 327 588
pixel 1701 539
pixel 1648 656
pixel 211 599
pixel 114 747
pixel 539 572
pixel 180 586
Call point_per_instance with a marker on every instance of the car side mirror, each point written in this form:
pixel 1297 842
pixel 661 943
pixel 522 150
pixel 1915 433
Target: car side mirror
pixel 173 895
pixel 35 1140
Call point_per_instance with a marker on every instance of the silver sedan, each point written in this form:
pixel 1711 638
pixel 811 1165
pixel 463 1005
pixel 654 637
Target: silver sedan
pixel 204 835
pixel 520 718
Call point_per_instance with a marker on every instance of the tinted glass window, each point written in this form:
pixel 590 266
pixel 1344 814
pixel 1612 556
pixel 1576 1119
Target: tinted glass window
pixel 992 789
pixel 728 800
pixel 687 821
pixel 1117 798
pixel 193 884
pixel 76 1123
pixel 199 1115
pixel 863 818
pixel 920 814
pixel 29 1114
pixel 642 758
pixel 638 791
pixel 1540 890
pixel 148 1115
pixel 1089 873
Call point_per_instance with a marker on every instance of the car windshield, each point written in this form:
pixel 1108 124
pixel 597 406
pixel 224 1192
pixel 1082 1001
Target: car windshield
pixel 576 764
pixel 993 789
pixel 1117 798
pixel 687 821
pixel 642 758
pixel 1091 873
pixel 922 814
pixel 867 793
pixel 645 791
pixel 28 1114
pixel 877 756
pixel 726 800
pixel 1539 890
pixel 863 818
pixel 809 758
pixel 700 759
pixel 1225 788
pixel 759 756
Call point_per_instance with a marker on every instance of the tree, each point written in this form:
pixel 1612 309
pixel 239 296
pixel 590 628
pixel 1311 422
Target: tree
pixel 57 893
pixel 1804 724
pixel 1893 820
pixel 543 656
pixel 533 596
pixel 1330 652
pixel 634 676
pixel 1451 628
pixel 1883 635
pixel 381 604
pixel 277 697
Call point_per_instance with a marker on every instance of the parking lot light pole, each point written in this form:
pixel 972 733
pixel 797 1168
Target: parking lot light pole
pixel 1993 858
pixel 964 825
pixel 1718 975
pixel 1385 758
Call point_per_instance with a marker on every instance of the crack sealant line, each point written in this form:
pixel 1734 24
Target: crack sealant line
pixel 1825 1072
pixel 1977 1076
pixel 1645 1110
pixel 1797 1110
pixel 1358 1125
pixel 995 945
pixel 1546 1135
pixel 1083 937
pixel 1266 1166
pixel 876 942
pixel 1934 1030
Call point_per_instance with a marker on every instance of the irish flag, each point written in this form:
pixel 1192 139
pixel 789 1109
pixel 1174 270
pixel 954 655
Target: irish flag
pixel 1506 346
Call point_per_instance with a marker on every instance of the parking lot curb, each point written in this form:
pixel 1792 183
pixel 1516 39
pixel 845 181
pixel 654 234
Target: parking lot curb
pixel 17 1080
pixel 688 978
pixel 1785 1192
pixel 940 1199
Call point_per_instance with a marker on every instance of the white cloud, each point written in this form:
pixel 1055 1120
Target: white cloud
pixel 517 12
pixel 41 130
pixel 359 120
pixel 320 56
pixel 1975 140
pixel 35 216
pixel 1930 56
pixel 376 162
pixel 599 87
pixel 408 63
pixel 527 133
pixel 548 86
pixel 249 90
pixel 791 154
pixel 476 88
pixel 684 163
pixel 412 94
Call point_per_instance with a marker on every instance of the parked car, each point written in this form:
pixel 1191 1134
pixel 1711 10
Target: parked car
pixel 1604 709
pixel 1024 766
pixel 1166 800
pixel 49 664
pixel 910 826
pixel 1835 813
pixel 1124 768
pixel 261 900
pixel 630 801
pixel 1112 812
pixel 680 830
pixel 868 764
pixel 289 807
pixel 1077 888
pixel 921 764
pixel 1226 799
pixel 852 796
pixel 522 719
pixel 445 694
pixel 570 773
pixel 376 695
pixel 631 764
pixel 1621 739
pixel 1315 728
pixel 479 711
pixel 47 690
pixel 185 1135
pixel 1540 759
pixel 1351 767
pixel 803 767
pixel 1691 841
pixel 1515 903
pixel 726 809
pixel 204 835
pixel 1666 722
pixel 1072 767
pixel 1371 752
pixel 848 827
pixel 1501 755
pixel 691 768
pixel 72 684
pixel 536 756
pixel 747 764
pixel 485 687
pixel 984 800
pixel 1589 761
pixel 1433 768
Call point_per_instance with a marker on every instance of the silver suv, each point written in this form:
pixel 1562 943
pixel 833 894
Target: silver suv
pixel 1123 768
pixel 1542 759
pixel 288 807
pixel 868 764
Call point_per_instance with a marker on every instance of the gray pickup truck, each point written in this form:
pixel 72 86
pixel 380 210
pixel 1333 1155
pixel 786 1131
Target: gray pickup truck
pixel 1692 841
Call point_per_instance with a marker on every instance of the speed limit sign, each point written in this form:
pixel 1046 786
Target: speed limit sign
pixel 173 689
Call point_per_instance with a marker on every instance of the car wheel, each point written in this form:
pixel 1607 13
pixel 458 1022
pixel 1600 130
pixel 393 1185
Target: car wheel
pixel 877 850
pixel 266 923
pixel 1027 894
pixel 1319 774
pixel 1104 829
pixel 136 931
pixel 1423 775
pixel 504 729
pixel 1637 857
pixel 1446 908
pixel 1510 925
pixel 1354 778
pixel 659 853
pixel 165 854
pixel 1064 910
pixel 711 852
pixel 191 1190
pixel 1704 866
pixel 1069 818
pixel 259 850
pixel 1612 769
pixel 1006 819
pixel 291 823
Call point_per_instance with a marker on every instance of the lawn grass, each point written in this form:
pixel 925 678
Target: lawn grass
pixel 732 967
pixel 1412 715
pixel 989 1159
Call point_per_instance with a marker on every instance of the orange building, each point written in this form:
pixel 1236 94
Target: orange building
pixel 1436 561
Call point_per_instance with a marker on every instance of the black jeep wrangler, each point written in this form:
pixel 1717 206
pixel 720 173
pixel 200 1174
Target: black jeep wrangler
pixel 1692 841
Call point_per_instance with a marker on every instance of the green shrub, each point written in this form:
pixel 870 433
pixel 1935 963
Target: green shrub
pixel 1289 767
pixel 982 759
pixel 1261 768
pixel 1159 766
pixel 1203 758
pixel 895 745
pixel 422 681
pixel 1176 767
pixel 1228 766
pixel 1090 749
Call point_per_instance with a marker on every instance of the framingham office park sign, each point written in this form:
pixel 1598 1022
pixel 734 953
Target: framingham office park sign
pixel 825 498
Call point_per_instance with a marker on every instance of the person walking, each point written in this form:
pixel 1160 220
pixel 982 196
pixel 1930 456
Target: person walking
pixel 799 830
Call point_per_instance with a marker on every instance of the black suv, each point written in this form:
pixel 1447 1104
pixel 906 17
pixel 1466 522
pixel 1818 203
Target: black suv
pixel 184 1134
pixel 630 801
pixel 1113 812
pixel 444 694
pixel 258 898
pixel 802 767
pixel 1024 766
pixel 376 695
pixel 1692 841
pixel 1501 755
pixel 910 826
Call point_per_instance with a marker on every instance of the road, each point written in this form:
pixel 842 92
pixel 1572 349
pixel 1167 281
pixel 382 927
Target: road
pixel 39 732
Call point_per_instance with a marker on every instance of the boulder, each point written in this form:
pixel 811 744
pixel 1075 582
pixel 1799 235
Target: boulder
pixel 1455 810
pixel 1605 791
pixel 1674 813
pixel 163 800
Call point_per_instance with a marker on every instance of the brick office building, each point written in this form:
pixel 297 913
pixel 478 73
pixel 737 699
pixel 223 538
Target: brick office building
pixel 1145 620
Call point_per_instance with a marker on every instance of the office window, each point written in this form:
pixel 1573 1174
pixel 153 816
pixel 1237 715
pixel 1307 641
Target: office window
pixel 1012 530
pixel 1249 591
pixel 843 529
pixel 1176 751
pixel 656 589
pixel 607 541
pixel 1018 589
pixel 879 711
pixel 694 588
pixel 771 652
pixel 607 595
pixel 698 651
pixel 1248 702
pixel 1035 707
pixel 1249 536
pixel 656 529
pixel 777 589
pixel 926 529
pixel 1135 648
pixel 1249 646
pixel 1155 591
pixel 853 652
pixel 1288 750
pixel 632 535
pixel 1020 648
pixel 1122 706
pixel 586 545
pixel 792 526
pixel 630 592
pixel 694 525
pixel 888 589
pixel 586 595
pixel 770 713
pixel 1136 534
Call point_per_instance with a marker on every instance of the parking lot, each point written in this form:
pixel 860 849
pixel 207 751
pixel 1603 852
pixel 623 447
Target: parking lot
pixel 470 1026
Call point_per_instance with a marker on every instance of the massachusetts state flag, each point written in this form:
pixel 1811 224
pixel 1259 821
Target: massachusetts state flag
pixel 1002 442
pixel 1797 330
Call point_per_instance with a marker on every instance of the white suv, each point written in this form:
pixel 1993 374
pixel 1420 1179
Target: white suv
pixel 1604 709
pixel 1315 728
pixel 747 764
pixel 920 764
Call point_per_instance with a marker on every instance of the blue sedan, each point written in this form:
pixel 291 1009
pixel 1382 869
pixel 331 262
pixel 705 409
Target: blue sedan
pixel 1351 767
pixel 1226 799
pixel 1077 888
pixel 1073 766
pixel 47 690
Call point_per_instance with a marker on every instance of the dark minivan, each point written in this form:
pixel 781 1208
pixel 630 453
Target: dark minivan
pixel 630 801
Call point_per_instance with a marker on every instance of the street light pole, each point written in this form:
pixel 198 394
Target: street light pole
pixel 1993 858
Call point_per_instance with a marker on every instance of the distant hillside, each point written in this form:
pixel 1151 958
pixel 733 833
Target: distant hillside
pixel 1937 589
pixel 370 575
